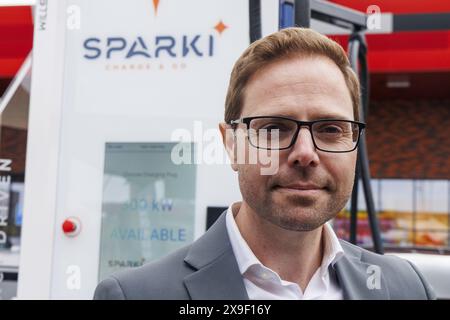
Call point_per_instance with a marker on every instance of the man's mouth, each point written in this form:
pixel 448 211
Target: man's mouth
pixel 302 189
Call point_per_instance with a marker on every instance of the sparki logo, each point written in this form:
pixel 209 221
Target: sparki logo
pixel 116 48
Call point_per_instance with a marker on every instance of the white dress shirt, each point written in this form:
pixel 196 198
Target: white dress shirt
pixel 265 284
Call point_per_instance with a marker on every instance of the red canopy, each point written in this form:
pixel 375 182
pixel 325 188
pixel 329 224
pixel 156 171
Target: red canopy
pixel 16 38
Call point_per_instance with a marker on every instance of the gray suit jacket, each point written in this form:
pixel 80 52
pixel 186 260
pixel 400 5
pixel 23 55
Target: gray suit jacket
pixel 207 269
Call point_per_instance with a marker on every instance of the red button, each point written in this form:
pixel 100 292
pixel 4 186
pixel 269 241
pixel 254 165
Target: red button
pixel 71 226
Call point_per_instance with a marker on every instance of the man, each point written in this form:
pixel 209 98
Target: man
pixel 294 95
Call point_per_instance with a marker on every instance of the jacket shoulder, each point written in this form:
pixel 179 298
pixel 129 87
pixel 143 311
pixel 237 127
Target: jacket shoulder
pixel 401 276
pixel 159 280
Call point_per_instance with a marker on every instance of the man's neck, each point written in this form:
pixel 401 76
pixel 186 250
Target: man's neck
pixel 294 255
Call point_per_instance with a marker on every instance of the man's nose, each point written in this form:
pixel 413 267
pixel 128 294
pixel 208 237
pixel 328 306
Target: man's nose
pixel 303 152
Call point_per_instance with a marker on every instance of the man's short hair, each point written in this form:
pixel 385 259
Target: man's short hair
pixel 287 43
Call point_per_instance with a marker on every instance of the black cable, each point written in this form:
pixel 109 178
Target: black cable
pixel 353 49
pixel 302 13
pixel 358 61
pixel 255 20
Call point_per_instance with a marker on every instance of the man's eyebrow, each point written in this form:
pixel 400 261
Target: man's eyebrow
pixel 330 116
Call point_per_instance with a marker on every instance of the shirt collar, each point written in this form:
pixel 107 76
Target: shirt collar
pixel 246 258
pixel 333 250
pixel 244 255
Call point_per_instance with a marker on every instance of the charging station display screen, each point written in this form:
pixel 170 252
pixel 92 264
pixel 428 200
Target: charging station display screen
pixel 148 206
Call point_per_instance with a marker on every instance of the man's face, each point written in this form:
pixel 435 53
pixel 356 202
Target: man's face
pixel 302 88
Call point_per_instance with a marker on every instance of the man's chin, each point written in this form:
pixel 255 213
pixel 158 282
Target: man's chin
pixel 295 218
pixel 303 224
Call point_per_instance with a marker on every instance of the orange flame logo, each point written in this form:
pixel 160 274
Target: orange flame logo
pixel 155 6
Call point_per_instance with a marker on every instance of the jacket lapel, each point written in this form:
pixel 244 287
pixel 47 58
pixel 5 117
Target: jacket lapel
pixel 353 276
pixel 217 275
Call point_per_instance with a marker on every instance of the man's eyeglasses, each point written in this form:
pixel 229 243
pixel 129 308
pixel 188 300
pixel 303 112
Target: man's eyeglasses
pixel 279 133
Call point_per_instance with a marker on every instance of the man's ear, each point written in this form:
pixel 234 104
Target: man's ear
pixel 229 143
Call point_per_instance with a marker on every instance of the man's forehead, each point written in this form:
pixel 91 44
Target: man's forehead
pixel 296 87
pixel 279 88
